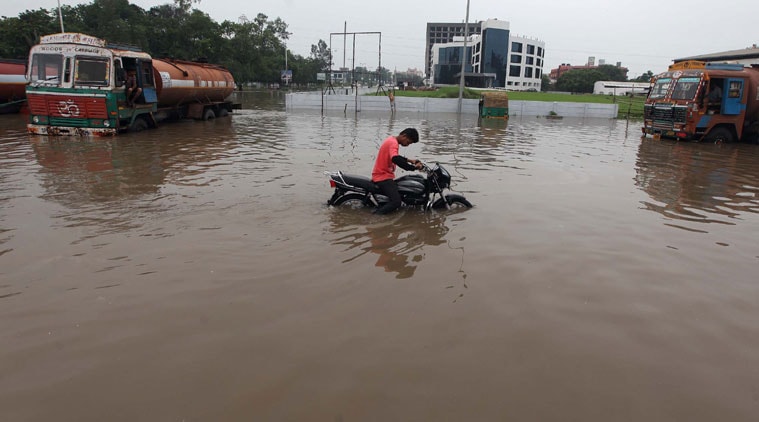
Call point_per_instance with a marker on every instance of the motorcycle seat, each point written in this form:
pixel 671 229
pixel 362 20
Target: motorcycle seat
pixel 360 181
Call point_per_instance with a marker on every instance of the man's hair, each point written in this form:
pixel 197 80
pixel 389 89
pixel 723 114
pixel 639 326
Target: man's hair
pixel 412 134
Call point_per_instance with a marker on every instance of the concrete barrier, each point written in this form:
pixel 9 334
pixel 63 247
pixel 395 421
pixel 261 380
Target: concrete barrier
pixel 353 103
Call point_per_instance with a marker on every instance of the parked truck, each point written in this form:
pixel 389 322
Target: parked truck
pixel 714 102
pixel 77 85
pixel 12 83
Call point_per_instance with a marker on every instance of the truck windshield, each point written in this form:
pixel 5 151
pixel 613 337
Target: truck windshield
pixel 91 71
pixel 660 88
pixel 685 88
pixel 46 69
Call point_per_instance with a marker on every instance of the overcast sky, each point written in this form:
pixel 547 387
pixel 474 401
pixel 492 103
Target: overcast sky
pixel 643 35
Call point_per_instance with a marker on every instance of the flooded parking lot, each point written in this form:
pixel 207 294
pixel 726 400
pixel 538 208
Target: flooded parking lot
pixel 194 273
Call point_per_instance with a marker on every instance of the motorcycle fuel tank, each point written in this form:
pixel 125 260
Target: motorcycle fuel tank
pixel 413 184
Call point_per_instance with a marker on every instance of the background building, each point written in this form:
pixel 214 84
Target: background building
pixel 443 33
pixel 494 58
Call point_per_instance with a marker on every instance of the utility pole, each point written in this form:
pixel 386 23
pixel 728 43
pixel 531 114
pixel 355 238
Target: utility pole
pixel 345 35
pixel 60 15
pixel 463 57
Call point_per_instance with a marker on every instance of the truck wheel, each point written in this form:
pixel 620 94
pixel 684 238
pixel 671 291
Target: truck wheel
pixel 223 112
pixel 719 135
pixel 139 125
pixel 209 114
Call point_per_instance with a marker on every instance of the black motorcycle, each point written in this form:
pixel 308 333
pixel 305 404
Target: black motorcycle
pixel 415 190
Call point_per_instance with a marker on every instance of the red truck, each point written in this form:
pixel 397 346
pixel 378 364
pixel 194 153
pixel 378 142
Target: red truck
pixel 79 85
pixel 713 102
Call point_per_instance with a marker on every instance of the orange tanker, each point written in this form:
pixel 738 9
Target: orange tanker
pixel 180 82
pixel 12 85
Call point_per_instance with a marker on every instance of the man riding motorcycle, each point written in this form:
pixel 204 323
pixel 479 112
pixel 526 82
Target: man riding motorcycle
pixel 383 173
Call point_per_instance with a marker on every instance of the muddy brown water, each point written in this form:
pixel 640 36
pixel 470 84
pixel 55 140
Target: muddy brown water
pixel 194 273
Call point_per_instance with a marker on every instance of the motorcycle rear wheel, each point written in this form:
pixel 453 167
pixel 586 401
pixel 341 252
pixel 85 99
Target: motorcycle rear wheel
pixel 352 200
pixel 454 201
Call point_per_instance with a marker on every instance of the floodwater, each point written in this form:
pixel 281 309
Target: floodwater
pixel 194 273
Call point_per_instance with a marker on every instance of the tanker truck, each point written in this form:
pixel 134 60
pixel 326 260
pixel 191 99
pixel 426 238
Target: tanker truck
pixel 12 83
pixel 713 102
pixel 78 85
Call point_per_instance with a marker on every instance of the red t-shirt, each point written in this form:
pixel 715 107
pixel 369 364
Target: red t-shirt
pixel 384 168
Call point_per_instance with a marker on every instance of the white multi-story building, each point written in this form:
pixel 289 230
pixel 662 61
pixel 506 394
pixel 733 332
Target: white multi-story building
pixel 495 58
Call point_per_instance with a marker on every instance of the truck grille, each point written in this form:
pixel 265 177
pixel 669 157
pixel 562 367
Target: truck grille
pixel 665 115
pixel 66 122
pixel 67 106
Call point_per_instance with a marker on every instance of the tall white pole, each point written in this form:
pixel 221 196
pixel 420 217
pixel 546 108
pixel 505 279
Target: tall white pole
pixel 60 15
pixel 464 58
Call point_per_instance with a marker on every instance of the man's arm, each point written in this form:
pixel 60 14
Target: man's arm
pixel 404 162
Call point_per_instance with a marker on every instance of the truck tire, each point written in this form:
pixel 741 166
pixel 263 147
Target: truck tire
pixel 223 112
pixel 719 135
pixel 209 114
pixel 139 125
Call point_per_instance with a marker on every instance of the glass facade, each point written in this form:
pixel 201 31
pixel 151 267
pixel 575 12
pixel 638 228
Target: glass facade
pixel 449 64
pixel 495 47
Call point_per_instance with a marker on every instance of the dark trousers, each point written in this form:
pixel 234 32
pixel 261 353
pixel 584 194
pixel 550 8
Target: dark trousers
pixel 389 189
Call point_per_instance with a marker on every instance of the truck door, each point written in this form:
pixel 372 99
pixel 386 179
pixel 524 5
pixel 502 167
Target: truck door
pixel 732 98
pixel 148 84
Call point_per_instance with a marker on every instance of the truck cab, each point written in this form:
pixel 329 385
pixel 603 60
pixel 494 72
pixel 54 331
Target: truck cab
pixel 77 86
pixel 714 102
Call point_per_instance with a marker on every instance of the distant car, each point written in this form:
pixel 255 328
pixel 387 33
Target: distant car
pixel 531 90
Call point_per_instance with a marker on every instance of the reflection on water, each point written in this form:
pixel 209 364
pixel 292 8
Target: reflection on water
pixel 401 243
pixel 85 170
pixel 699 183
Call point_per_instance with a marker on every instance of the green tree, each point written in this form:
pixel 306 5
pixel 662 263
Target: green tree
pixel 253 50
pixel 18 35
pixel 321 54
pixel 257 47
pixel 579 80
pixel 644 77
pixel 117 21
pixel 611 73
pixel 545 83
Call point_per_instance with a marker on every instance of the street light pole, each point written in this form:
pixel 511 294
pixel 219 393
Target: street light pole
pixel 463 57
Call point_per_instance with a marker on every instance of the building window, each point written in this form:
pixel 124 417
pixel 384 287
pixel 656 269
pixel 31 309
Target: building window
pixel 516 58
pixel 529 60
pixel 515 70
pixel 530 49
pixel 516 47
pixel 528 72
pixel 537 73
pixel 540 51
